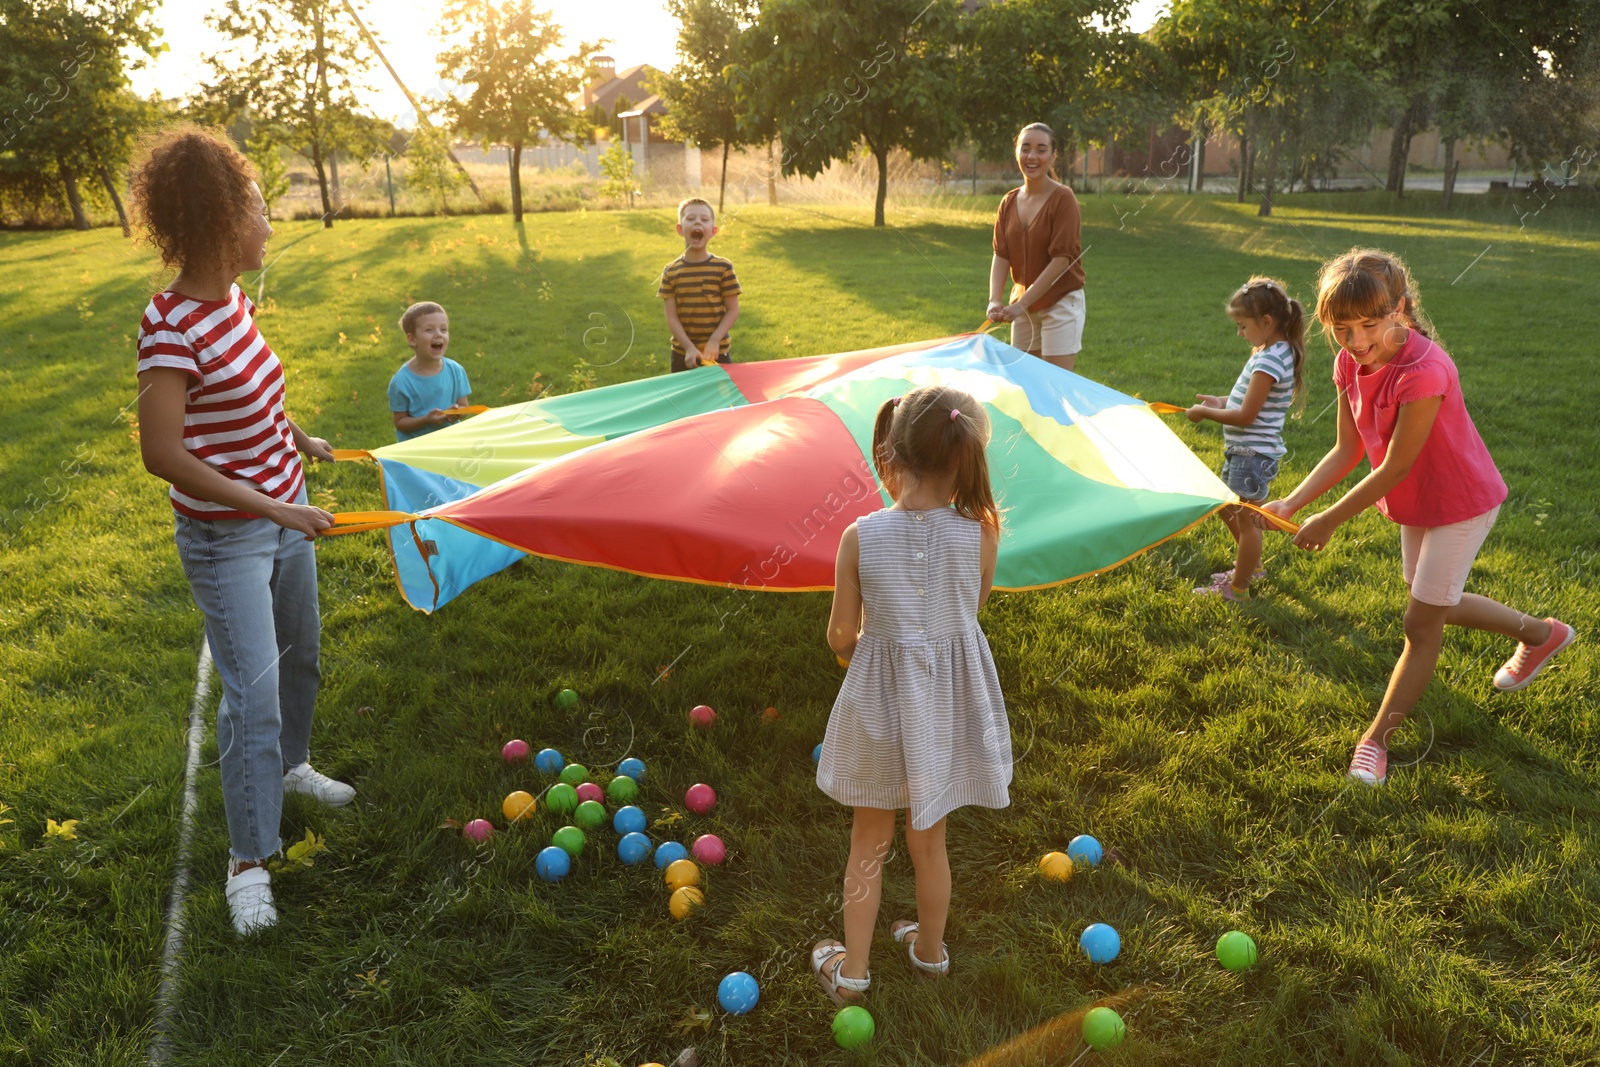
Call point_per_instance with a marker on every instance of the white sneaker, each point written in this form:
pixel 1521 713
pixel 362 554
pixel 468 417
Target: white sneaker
pixel 250 900
pixel 303 779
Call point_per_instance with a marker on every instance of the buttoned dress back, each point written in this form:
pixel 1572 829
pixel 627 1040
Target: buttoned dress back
pixel 920 722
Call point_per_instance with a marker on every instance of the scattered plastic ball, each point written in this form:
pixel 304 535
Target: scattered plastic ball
pixel 841 661
pixel 709 850
pixel 553 863
pixel 1236 950
pixel 738 993
pixel 1100 943
pixel 681 873
pixel 853 1027
pixel 1103 1029
pixel 568 839
pixel 701 716
pixel 1084 849
pixel 1055 866
pixel 549 761
pixel 566 700
pixel 770 715
pixel 591 815
pixel 669 852
pixel 816 753
pixel 633 768
pixel 573 773
pixel 700 798
pixel 685 900
pixel 628 820
pixel 590 791
pixel 633 849
pixel 478 830
pixel 622 789
pixel 562 799
pixel 518 805
pixel 515 750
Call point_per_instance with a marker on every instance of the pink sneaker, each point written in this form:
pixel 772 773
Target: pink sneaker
pixel 1370 764
pixel 1256 577
pixel 1223 587
pixel 1525 665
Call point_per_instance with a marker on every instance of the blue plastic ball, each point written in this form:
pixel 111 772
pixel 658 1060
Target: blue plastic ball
pixel 1084 849
pixel 553 864
pixel 1100 943
pixel 816 753
pixel 633 768
pixel 628 820
pixel 667 852
pixel 634 848
pixel 738 993
pixel 549 761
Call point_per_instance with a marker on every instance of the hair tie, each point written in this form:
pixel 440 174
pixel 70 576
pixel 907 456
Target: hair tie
pixel 894 401
pixel 954 412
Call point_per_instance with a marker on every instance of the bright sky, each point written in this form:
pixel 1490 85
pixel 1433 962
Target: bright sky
pixel 639 31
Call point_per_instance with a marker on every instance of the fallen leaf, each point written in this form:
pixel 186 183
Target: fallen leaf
pixel 694 1020
pixel 66 829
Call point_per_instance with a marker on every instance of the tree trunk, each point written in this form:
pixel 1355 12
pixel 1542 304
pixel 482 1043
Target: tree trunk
pixel 322 184
pixel 772 179
pixel 516 181
pixel 722 187
pixel 116 201
pixel 1399 149
pixel 333 178
pixel 1265 209
pixel 882 156
pixel 318 93
pixel 69 178
pixel 1244 163
pixel 1200 156
pixel 1450 168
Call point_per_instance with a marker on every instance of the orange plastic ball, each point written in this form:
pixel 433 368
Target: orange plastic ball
pixel 518 805
pixel 686 900
pixel 682 873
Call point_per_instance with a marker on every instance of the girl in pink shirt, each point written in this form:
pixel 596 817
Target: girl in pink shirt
pixel 1400 404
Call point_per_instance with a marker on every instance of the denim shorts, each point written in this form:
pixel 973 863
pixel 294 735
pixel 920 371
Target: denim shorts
pixel 1248 473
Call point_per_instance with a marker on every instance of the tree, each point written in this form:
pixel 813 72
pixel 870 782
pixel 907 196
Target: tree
pixel 520 91
pixel 879 74
pixel 429 166
pixel 702 106
pixel 616 163
pixel 294 65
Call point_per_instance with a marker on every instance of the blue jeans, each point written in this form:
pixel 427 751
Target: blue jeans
pixel 1248 473
pixel 256 584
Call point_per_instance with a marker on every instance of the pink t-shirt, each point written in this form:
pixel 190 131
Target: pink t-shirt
pixel 1454 478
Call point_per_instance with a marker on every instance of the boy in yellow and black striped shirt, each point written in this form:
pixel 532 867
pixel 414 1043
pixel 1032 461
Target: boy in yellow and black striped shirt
pixel 701 292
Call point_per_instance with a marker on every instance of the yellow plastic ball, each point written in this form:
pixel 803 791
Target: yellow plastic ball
pixel 686 900
pixel 1056 866
pixel 518 805
pixel 682 873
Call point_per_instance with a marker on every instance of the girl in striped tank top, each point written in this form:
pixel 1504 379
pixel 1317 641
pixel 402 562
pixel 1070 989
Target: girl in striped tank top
pixel 1252 417
pixel 920 722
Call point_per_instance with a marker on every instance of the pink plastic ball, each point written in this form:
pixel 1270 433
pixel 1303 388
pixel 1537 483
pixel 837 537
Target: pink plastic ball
pixel 709 850
pixel 590 791
pixel 516 750
pixel 700 798
pixel 478 830
pixel 702 716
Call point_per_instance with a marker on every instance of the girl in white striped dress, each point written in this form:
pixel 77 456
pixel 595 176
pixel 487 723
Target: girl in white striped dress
pixel 920 722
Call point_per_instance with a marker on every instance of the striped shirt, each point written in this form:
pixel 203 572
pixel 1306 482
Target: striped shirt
pixel 701 291
pixel 233 417
pixel 1265 435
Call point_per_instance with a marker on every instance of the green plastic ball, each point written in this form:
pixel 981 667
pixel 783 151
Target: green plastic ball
pixel 566 700
pixel 568 839
pixel 561 799
pixel 1236 950
pixel 1103 1029
pixel 591 815
pixel 622 789
pixel 853 1027
pixel 574 773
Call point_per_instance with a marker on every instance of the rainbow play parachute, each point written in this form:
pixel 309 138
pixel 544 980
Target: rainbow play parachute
pixel 746 474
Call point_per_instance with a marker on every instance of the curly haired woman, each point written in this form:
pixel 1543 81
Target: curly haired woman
pixel 212 425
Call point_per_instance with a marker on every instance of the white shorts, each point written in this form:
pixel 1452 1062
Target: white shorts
pixel 1436 559
pixel 1055 331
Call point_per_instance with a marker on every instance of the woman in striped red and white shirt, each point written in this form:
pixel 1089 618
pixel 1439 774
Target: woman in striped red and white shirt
pixel 212 424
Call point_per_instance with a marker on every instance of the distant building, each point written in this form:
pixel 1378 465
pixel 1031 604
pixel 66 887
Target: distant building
pixel 627 98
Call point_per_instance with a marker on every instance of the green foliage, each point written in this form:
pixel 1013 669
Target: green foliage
pixel 429 167
pixel 699 95
pixel 616 166
pixel 267 155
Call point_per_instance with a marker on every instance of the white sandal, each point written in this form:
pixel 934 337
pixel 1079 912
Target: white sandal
pixel 904 932
pixel 840 989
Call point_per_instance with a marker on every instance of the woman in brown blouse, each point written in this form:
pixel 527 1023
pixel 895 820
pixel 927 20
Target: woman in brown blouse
pixel 1037 241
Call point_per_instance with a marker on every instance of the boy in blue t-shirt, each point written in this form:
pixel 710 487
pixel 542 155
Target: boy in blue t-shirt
pixel 426 384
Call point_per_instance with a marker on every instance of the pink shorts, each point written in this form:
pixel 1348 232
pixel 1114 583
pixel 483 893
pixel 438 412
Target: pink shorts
pixel 1436 559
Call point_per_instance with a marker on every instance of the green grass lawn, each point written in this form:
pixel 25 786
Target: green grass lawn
pixel 1450 918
